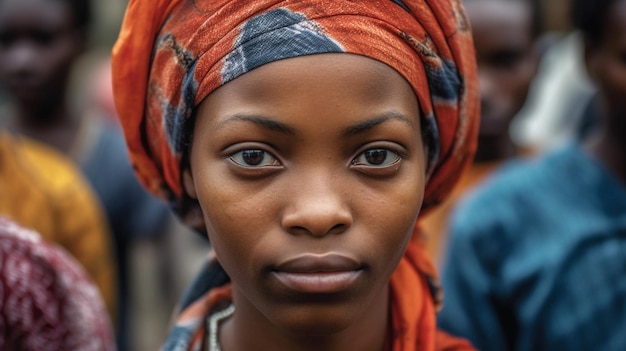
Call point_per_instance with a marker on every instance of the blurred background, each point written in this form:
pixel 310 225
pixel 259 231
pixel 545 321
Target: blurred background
pixel 159 265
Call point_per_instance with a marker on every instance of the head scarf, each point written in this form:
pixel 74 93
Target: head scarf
pixel 171 54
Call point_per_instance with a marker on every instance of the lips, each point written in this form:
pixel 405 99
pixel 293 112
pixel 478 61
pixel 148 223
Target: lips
pixel 318 274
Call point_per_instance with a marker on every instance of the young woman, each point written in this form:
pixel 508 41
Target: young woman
pixel 304 138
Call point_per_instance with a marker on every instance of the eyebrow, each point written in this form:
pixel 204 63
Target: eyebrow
pixel 281 127
pixel 367 125
pixel 261 121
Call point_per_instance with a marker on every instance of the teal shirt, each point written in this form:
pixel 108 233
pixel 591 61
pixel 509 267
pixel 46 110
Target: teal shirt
pixel 537 258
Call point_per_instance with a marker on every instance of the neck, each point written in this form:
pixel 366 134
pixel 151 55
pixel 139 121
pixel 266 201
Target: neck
pixel 249 329
pixel 52 124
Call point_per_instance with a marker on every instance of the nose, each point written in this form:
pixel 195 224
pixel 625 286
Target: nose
pixel 316 207
pixel 22 57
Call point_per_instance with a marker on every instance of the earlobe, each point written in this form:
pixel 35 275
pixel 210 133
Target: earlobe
pixel 188 184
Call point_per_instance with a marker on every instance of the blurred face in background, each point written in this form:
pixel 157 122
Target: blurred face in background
pixel 38 44
pixel 507 59
pixel 606 62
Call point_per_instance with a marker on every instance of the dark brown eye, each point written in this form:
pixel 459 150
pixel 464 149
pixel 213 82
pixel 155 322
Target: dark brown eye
pixel 376 158
pixel 254 158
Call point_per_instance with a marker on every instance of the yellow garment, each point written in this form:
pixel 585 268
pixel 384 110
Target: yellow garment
pixel 42 190
pixel 435 224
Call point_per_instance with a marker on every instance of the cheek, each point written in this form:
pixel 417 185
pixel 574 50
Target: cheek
pixel 59 57
pixel 391 215
pixel 235 219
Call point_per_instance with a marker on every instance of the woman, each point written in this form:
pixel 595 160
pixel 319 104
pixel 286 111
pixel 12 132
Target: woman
pixel 303 138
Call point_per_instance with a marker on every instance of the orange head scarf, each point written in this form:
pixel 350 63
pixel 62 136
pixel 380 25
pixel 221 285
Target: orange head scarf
pixel 171 54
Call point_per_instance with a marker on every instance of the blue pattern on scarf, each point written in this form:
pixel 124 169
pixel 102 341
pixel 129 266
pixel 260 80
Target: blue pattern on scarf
pixel 275 35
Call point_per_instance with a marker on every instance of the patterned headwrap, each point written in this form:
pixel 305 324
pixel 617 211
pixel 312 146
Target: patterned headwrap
pixel 176 52
pixel 47 301
pixel 171 54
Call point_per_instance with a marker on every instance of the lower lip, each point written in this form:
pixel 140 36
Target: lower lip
pixel 318 282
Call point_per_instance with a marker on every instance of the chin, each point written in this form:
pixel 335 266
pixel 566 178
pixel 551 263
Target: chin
pixel 316 320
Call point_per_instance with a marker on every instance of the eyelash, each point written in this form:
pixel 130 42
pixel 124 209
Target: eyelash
pixel 266 160
pixel 259 152
pixel 376 152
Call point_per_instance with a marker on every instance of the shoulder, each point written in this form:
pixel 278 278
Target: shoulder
pixel 521 185
pixel 46 168
pixel 521 200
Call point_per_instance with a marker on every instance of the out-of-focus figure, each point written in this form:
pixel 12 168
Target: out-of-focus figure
pixel 42 190
pixel 560 101
pixel 40 42
pixel 538 255
pixel 48 302
pixel 507 39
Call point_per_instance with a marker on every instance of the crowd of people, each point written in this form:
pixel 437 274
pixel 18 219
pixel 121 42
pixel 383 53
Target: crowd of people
pixel 378 175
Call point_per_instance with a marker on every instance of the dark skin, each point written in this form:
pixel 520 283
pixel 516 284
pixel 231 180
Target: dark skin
pixel 606 64
pixel 39 43
pixel 310 183
pixel 507 62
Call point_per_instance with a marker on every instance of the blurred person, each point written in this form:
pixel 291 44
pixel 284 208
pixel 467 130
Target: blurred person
pixel 48 302
pixel 560 97
pixel 507 36
pixel 40 43
pixel 42 190
pixel 538 255
pixel 158 255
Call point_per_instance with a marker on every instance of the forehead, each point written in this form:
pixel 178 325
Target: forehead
pixel 343 88
pixel 358 75
pixel 500 22
pixel 25 14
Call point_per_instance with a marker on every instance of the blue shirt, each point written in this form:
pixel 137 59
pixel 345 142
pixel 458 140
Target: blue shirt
pixel 537 258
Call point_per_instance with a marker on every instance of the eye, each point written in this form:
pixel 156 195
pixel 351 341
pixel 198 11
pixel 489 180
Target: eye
pixel 7 38
pixel 254 158
pixel 377 158
pixel 45 37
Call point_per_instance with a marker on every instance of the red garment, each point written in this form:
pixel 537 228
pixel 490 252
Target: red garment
pixel 47 302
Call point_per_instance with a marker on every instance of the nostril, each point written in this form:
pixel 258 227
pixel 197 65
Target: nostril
pixel 338 229
pixel 318 231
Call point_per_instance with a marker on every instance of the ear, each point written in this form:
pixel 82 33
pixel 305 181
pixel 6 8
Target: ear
pixel 188 184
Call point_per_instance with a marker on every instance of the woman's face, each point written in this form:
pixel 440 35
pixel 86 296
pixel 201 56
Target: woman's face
pixel 310 175
pixel 38 45
pixel 506 57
